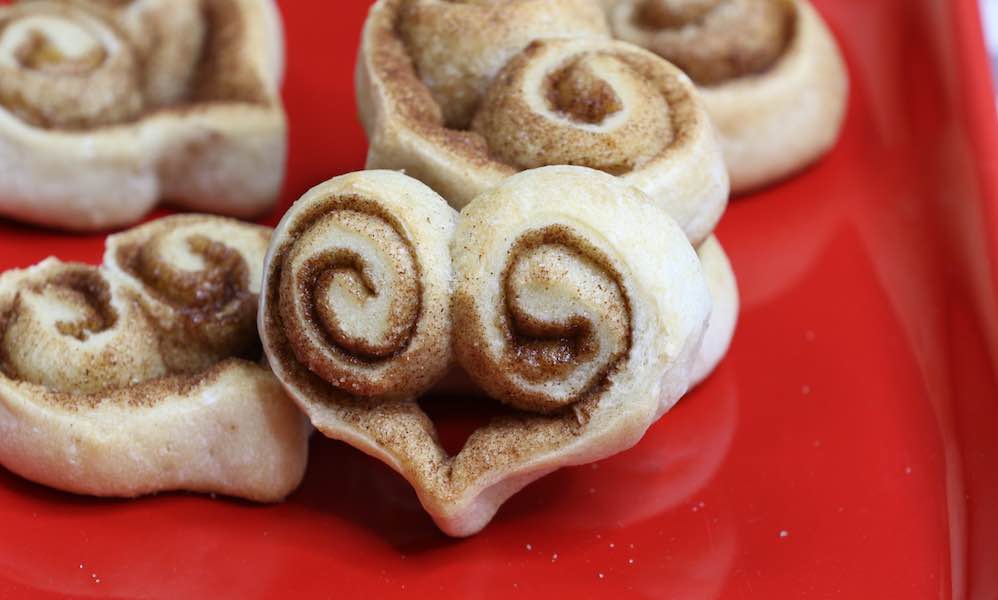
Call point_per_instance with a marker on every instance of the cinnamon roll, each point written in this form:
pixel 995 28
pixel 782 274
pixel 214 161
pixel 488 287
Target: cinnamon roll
pixel 51 55
pixel 557 92
pixel 169 36
pixel 356 292
pixel 121 383
pixel 107 107
pixel 199 277
pixel 769 72
pixel 458 48
pixel 565 294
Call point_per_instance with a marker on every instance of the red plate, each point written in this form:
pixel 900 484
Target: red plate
pixel 847 447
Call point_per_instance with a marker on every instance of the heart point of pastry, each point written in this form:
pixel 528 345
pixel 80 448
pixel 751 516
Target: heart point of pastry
pixel 564 293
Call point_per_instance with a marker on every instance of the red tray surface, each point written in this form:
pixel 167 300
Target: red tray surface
pixel 847 447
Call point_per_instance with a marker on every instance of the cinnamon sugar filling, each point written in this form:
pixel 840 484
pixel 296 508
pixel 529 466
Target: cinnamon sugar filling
pixel 539 350
pixel 319 297
pixel 577 92
pixel 715 41
pixel 222 73
pixel 571 90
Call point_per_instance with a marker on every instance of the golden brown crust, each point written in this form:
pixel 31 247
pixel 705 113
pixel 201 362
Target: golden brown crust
pixel 584 320
pixel 108 107
pixel 579 99
pixel 146 369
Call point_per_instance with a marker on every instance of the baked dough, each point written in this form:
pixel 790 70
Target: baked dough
pixel 140 376
pixel 565 94
pixel 357 291
pixel 459 48
pixel 463 95
pixel 107 107
pixel 565 294
pixel 769 73
pixel 726 303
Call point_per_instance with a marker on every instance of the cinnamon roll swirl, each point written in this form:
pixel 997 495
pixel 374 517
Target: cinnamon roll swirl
pixel 357 292
pixel 107 107
pixel 769 72
pixel 562 94
pixel 169 36
pixel 121 383
pixel 199 277
pixel 52 54
pixel 576 302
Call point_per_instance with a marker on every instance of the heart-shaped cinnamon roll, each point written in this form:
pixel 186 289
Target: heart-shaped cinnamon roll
pixel 769 72
pixel 107 107
pixel 140 375
pixel 563 292
pixel 564 93
pixel 557 92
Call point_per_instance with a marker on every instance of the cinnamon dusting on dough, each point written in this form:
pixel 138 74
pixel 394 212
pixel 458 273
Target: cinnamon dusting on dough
pixel 714 41
pixel 103 87
pixel 571 90
pixel 143 394
pixel 346 364
pixel 580 94
pixel 77 334
pixel 40 54
pixel 536 350
pixel 218 292
pixel 223 75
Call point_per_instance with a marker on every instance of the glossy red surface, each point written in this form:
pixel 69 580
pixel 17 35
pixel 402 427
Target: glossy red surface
pixel 847 448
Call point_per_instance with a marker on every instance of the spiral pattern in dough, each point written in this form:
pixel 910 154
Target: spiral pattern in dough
pixel 199 276
pixel 356 292
pixel 563 316
pixel 550 307
pixel 170 37
pixel 554 99
pixel 563 292
pixel 713 41
pixel 68 329
pixel 458 47
pixel 603 106
pixel 62 66
pixel 105 390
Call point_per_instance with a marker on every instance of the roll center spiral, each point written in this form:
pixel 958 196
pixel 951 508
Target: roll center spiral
pixel 554 104
pixel 62 331
pixel 350 295
pixel 566 318
pixel 715 40
pixel 87 294
pixel 581 94
pixel 190 271
pixel 64 50
pixel 62 65
pixel 78 303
